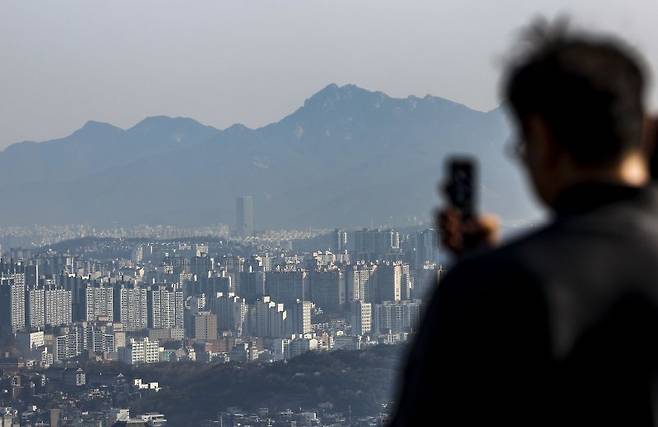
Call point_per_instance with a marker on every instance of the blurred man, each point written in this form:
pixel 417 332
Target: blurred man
pixel 559 327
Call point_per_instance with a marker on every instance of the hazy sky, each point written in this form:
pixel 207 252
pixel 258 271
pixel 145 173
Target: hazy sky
pixel 68 61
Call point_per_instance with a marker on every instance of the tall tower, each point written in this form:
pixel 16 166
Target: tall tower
pixel 244 216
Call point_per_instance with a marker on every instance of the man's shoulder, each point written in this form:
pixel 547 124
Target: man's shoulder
pixel 510 258
pixel 496 286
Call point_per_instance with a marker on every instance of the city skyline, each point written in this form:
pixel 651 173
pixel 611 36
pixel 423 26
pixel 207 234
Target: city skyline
pixel 95 305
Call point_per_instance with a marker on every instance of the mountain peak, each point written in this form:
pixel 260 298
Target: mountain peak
pixel 332 95
pixel 236 129
pixel 95 129
pixel 333 90
pixel 94 125
pixel 156 130
pixel 166 121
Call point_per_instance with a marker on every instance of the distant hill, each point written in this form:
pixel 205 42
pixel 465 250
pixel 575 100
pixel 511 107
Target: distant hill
pixel 347 157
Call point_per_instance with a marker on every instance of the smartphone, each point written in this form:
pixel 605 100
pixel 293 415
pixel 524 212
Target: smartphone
pixel 460 185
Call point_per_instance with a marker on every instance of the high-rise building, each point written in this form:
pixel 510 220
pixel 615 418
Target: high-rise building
pixel 140 351
pixel 426 280
pixel 232 263
pixel 425 247
pixel 98 303
pixel 361 318
pixel 260 262
pixel 408 283
pixel 200 249
pixel 396 317
pixel 339 240
pixel 94 337
pixel 301 345
pixel 165 308
pixel 328 289
pixel 244 216
pixel 58 303
pixel 277 321
pixel 31 275
pixel 12 302
pixel 65 345
pixel 376 244
pixel 131 307
pixel 137 254
pixel 259 317
pixel 231 313
pixel 360 282
pixel 77 285
pixel 48 305
pixel 389 282
pixel 205 326
pixel 211 286
pixel 35 308
pixel 252 285
pixel 29 341
pixel 201 266
pixel 299 318
pixel 287 286
pixel 97 337
pixel 267 319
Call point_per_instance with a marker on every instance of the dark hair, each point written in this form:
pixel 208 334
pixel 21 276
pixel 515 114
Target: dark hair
pixel 588 89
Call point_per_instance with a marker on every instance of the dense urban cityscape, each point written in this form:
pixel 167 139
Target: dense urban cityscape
pixel 328 214
pixel 81 319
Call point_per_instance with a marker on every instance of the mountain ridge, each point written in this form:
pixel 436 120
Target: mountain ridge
pixel 314 166
pixel 97 123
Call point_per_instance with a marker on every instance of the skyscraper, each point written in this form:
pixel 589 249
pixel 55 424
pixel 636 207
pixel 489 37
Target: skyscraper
pixel 244 216
pixel 12 302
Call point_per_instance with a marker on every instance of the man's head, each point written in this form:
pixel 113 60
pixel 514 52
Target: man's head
pixel 579 102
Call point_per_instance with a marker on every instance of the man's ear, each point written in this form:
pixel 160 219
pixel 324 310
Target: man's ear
pixel 549 152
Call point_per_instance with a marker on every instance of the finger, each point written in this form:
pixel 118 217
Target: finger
pixel 489 222
pixel 490 228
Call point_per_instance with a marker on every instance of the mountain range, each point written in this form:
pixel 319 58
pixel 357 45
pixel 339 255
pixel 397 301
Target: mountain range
pixel 348 157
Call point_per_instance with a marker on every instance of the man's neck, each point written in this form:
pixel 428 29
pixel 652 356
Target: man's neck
pixel 631 171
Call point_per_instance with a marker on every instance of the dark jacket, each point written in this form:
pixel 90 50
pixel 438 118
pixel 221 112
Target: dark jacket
pixel 557 328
